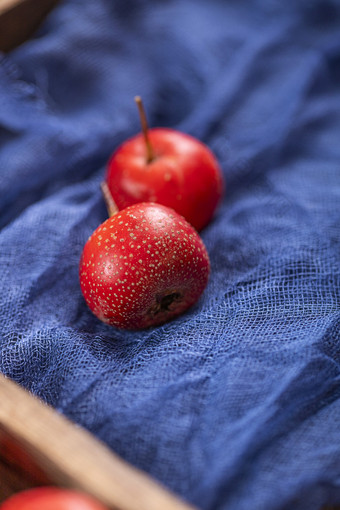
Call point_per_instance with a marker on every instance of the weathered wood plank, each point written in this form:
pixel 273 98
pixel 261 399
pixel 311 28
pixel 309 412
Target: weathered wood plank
pixel 19 19
pixel 70 456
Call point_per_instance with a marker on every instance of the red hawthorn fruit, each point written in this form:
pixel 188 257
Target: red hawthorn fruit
pixel 50 498
pixel 143 266
pixel 168 167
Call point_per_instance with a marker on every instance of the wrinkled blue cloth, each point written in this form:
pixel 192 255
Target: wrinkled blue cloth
pixel 236 404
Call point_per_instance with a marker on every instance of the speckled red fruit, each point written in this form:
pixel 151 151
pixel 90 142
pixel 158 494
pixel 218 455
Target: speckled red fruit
pixel 183 175
pixel 50 498
pixel 142 267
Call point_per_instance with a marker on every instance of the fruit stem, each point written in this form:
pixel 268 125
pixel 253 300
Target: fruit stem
pixel 145 128
pixel 110 203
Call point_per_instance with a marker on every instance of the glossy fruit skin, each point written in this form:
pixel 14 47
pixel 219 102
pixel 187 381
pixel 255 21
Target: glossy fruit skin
pixel 184 175
pixel 142 267
pixel 51 498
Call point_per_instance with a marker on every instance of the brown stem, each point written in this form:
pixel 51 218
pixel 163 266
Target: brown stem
pixel 110 203
pixel 150 156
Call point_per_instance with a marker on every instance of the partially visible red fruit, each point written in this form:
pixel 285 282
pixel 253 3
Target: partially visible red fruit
pixel 50 498
pixel 142 267
pixel 168 167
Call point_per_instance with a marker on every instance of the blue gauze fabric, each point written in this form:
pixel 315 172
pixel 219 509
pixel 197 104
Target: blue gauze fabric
pixel 234 405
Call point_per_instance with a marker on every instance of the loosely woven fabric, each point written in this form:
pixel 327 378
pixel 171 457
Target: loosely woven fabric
pixel 236 404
